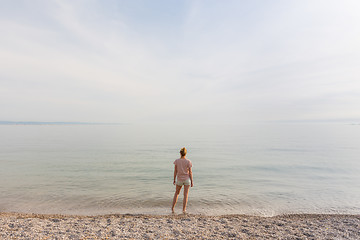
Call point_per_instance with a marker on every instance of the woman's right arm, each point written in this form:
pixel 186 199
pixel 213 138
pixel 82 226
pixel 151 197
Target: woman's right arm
pixel 191 177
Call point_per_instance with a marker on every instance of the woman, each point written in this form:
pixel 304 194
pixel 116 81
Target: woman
pixel 184 177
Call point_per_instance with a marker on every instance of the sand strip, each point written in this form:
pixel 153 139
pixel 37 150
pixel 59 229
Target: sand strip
pixel 38 226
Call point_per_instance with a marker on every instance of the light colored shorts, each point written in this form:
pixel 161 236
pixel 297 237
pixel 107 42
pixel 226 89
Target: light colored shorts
pixel 187 182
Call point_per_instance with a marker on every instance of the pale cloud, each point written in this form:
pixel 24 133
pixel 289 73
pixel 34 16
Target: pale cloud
pixel 205 62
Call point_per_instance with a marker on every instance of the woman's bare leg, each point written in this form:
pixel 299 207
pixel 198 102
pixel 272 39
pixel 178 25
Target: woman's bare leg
pixel 186 193
pixel 176 195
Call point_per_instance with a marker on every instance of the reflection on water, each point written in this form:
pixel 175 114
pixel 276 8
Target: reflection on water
pixel 251 169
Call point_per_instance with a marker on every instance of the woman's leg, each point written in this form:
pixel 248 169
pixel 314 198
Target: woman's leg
pixel 186 193
pixel 176 195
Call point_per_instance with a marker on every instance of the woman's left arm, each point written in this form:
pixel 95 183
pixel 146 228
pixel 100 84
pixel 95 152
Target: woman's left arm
pixel 175 172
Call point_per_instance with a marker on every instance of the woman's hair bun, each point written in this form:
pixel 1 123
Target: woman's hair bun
pixel 183 151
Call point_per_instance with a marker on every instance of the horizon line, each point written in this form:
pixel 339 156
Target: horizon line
pixel 55 123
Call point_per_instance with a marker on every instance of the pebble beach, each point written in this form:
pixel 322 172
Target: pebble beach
pixel 38 226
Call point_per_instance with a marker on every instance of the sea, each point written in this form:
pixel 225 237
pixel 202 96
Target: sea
pixel 255 169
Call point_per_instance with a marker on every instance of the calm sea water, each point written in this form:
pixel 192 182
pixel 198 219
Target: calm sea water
pixel 248 169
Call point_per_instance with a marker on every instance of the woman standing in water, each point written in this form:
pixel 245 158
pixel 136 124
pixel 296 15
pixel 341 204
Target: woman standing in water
pixel 184 177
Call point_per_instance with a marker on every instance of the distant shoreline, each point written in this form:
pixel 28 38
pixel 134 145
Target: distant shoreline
pixel 114 123
pixel 54 123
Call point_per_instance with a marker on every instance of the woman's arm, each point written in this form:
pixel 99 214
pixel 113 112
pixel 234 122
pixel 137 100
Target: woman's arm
pixel 191 177
pixel 175 172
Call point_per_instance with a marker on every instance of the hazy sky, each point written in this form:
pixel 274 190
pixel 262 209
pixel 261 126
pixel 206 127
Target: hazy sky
pixel 179 61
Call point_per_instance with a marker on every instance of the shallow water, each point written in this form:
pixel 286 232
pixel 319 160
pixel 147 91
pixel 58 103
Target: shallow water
pixel 255 169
